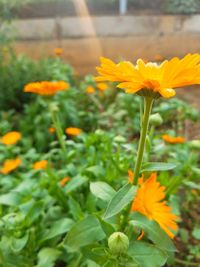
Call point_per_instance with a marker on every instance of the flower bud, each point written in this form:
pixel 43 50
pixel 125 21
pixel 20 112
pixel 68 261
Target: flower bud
pixel 156 119
pixel 195 144
pixel 118 243
pixel 119 139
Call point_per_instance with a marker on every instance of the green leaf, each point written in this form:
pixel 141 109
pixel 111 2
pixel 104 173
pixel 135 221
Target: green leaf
pixel 157 166
pixel 120 200
pixel 47 257
pixel 85 232
pixel 75 183
pixel 75 209
pixel 196 233
pixel 58 228
pixel 155 233
pixel 102 190
pixel 96 170
pixel 19 243
pixel 147 255
pixel 10 199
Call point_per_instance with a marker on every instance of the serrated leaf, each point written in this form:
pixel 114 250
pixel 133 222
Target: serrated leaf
pixel 102 190
pixel 120 200
pixel 157 166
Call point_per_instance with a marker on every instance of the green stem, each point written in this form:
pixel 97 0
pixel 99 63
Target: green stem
pixel 148 102
pixel 186 262
pixel 59 132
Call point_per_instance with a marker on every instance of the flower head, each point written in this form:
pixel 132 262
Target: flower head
pixel 90 90
pixel 11 138
pixel 173 140
pixel 102 86
pixel 39 165
pixel 64 181
pixel 51 130
pixel 159 79
pixel 149 201
pixel 58 51
pixel 10 165
pixel 46 88
pixel 73 131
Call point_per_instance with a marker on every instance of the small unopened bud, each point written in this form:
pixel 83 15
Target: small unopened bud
pixel 54 107
pixel 119 139
pixel 195 144
pixel 156 119
pixel 118 243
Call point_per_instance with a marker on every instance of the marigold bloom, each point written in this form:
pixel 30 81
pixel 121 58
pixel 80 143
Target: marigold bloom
pixel 90 90
pixel 173 140
pixel 160 79
pixel 10 165
pixel 149 201
pixel 64 181
pixel 58 51
pixel 46 88
pixel 11 138
pixel 51 130
pixel 102 86
pixel 39 165
pixel 73 131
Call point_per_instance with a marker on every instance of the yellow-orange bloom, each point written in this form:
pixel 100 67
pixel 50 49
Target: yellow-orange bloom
pixel 10 165
pixel 58 51
pixel 173 140
pixel 90 90
pixel 160 79
pixel 51 130
pixel 46 88
pixel 102 86
pixel 39 165
pixel 149 201
pixel 64 181
pixel 11 138
pixel 73 131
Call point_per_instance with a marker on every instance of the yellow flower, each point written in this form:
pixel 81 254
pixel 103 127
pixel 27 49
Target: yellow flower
pixel 58 51
pixel 46 88
pixel 159 79
pixel 64 181
pixel 90 90
pixel 51 130
pixel 149 201
pixel 10 165
pixel 38 165
pixel 11 138
pixel 102 86
pixel 173 140
pixel 73 131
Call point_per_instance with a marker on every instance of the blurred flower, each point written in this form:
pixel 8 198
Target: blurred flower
pixel 11 138
pixel 173 140
pixel 73 131
pixel 58 51
pixel 90 90
pixel 149 201
pixel 102 86
pixel 51 130
pixel 157 80
pixel 158 58
pixel 131 176
pixel 10 165
pixel 64 181
pixel 38 165
pixel 46 88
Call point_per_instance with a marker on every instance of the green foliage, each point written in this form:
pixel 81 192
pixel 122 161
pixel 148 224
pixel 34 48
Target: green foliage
pixel 182 6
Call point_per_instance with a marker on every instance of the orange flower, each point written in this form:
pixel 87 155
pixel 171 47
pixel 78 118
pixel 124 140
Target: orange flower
pixel 73 131
pixel 46 88
pixel 159 79
pixel 159 58
pixel 39 165
pixel 64 181
pixel 51 130
pixel 11 138
pixel 173 140
pixel 102 86
pixel 90 90
pixel 149 201
pixel 58 51
pixel 10 165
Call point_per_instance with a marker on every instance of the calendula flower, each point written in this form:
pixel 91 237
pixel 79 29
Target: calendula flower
pixel 46 88
pixel 173 140
pixel 10 165
pixel 102 86
pixel 11 138
pixel 159 57
pixel 58 51
pixel 73 131
pixel 90 90
pixel 64 181
pixel 149 201
pixel 51 130
pixel 151 78
pixel 39 165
